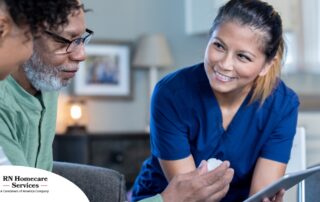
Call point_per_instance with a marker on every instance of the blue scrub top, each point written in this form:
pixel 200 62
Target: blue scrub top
pixel 186 119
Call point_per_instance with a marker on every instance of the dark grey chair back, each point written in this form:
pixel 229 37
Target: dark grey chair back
pixel 99 184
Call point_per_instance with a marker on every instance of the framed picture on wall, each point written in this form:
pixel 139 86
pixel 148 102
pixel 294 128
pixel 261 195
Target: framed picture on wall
pixel 105 72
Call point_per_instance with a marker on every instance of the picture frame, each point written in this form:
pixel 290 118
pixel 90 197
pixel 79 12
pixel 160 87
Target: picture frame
pixel 106 70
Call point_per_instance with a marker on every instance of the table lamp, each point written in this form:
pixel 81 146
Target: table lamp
pixel 76 115
pixel 152 52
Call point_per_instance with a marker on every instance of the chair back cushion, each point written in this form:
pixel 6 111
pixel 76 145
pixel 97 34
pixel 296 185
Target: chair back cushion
pixel 99 184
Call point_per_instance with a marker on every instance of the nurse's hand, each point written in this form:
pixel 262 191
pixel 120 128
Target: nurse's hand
pixel 277 198
pixel 200 185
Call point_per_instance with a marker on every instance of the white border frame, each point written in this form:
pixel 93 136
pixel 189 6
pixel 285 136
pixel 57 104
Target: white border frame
pixel 82 88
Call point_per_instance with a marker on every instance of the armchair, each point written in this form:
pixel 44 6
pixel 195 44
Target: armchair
pixel 99 184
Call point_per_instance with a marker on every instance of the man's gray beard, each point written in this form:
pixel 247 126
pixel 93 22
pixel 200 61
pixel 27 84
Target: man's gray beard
pixel 43 77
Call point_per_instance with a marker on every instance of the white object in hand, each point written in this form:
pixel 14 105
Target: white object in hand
pixel 213 163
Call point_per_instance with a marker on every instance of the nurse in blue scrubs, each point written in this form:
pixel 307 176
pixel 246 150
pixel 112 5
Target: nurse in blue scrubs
pixel 233 106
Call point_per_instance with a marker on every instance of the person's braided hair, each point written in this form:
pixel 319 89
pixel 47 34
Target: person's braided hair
pixel 41 14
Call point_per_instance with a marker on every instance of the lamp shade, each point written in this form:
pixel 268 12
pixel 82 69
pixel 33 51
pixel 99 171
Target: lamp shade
pixel 152 51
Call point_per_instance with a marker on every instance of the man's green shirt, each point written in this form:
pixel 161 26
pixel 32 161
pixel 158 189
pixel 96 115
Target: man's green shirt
pixel 27 125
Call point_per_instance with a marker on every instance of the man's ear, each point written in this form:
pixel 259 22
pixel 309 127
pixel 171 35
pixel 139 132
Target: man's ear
pixel 267 66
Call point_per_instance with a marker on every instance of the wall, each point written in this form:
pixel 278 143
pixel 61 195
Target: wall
pixel 122 20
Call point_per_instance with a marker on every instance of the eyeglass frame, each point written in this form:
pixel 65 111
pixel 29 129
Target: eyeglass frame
pixel 61 39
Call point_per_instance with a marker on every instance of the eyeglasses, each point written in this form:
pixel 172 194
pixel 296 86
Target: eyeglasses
pixel 71 45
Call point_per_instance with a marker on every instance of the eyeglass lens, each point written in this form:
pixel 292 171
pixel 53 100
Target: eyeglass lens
pixel 77 42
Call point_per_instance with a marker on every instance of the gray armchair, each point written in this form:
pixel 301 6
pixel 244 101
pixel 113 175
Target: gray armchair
pixel 99 184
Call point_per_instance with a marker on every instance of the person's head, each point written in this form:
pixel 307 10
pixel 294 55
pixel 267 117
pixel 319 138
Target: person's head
pixel 15 42
pixel 20 21
pixel 57 54
pixel 245 49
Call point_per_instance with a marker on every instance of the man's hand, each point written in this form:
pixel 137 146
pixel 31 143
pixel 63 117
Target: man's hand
pixel 200 185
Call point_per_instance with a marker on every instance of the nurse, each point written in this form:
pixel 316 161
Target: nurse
pixel 233 106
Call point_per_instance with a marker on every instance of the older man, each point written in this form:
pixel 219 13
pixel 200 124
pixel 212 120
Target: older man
pixel 28 107
pixel 28 101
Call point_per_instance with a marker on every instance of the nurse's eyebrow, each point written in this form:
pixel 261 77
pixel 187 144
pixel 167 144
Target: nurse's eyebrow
pixel 220 40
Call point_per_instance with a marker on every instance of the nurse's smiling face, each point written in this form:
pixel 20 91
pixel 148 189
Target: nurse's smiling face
pixel 234 58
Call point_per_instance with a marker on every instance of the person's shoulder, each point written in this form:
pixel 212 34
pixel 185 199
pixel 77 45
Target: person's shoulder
pixel 285 92
pixel 2 90
pixel 3 87
pixel 282 97
pixel 5 95
pixel 183 78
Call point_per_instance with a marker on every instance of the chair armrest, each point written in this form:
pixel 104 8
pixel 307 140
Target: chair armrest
pixel 99 184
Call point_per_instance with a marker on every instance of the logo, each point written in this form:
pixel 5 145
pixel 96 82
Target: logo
pixel 18 183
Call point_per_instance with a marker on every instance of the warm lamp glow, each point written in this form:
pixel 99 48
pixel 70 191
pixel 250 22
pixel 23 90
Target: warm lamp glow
pixel 76 112
pixel 77 115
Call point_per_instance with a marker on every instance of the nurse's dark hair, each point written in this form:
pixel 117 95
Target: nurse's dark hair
pixel 40 14
pixel 261 17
